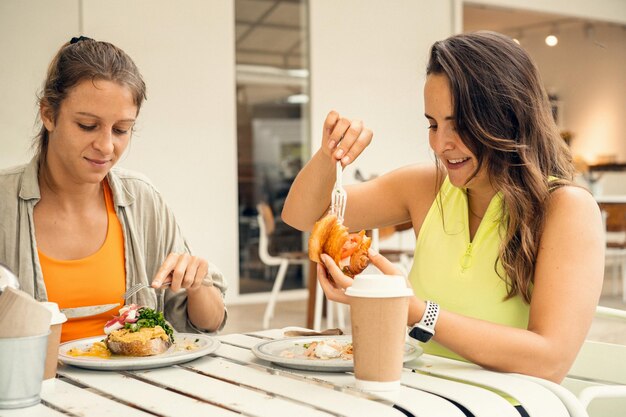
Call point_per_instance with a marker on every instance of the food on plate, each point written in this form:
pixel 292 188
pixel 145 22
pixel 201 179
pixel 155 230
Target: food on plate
pixel 138 331
pixel 97 350
pixel 321 349
pixel 348 250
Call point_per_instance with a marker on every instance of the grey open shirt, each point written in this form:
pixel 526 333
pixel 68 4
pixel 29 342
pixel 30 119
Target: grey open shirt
pixel 149 227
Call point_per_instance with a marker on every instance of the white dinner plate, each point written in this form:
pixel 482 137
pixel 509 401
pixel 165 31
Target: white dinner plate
pixel 273 350
pixel 175 354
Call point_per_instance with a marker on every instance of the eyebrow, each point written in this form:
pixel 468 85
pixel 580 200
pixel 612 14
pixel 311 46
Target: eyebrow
pixel 82 113
pixel 432 118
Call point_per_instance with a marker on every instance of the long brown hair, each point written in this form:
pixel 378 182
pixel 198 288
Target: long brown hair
pixel 503 115
pixel 80 59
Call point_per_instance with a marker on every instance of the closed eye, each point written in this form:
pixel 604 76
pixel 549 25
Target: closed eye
pixel 87 128
pixel 432 127
pixel 121 131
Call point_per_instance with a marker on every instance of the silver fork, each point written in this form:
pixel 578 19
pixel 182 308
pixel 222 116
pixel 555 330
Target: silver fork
pixel 140 286
pixel 338 197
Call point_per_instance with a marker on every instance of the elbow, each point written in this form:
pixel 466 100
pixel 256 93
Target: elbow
pixel 553 368
pixel 553 373
pixel 290 218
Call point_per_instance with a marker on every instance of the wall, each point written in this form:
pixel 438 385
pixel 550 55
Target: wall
pixel 588 72
pixel 603 10
pixel 368 61
pixel 28 40
pixel 185 140
pixel 589 75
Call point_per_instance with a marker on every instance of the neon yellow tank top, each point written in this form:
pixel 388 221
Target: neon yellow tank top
pixel 458 274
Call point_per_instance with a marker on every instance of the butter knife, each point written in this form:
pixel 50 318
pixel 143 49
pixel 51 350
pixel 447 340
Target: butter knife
pixel 76 312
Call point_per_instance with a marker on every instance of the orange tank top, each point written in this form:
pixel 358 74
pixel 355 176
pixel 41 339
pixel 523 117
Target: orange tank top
pixel 99 278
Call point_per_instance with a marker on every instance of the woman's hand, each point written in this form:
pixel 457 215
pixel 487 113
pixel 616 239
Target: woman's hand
pixel 344 139
pixel 335 288
pixel 183 271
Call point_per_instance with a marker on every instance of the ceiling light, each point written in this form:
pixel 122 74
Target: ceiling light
pixel 552 40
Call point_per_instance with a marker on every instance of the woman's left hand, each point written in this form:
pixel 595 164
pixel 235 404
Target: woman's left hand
pixel 183 271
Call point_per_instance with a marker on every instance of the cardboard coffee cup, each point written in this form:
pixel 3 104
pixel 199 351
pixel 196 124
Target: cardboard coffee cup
pixel 378 311
pixel 54 339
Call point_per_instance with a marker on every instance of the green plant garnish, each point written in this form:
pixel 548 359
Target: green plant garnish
pixel 150 318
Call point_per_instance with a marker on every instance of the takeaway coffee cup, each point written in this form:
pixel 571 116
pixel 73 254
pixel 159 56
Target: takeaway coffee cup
pixel 21 370
pixel 379 306
pixel 52 353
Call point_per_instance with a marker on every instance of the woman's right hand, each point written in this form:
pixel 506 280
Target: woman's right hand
pixel 344 139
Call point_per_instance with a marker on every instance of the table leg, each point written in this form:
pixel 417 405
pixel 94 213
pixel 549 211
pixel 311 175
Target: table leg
pixel 312 286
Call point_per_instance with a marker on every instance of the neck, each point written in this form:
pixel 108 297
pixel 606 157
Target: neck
pixel 478 201
pixel 66 192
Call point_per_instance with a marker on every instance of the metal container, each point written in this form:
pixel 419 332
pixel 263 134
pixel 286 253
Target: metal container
pixel 22 362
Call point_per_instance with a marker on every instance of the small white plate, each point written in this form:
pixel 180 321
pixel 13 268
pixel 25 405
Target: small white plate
pixel 271 351
pixel 172 356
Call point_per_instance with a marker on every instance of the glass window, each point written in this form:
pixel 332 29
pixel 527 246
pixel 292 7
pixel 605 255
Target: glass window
pixel 272 128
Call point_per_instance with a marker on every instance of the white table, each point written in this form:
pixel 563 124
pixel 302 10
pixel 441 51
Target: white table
pixel 232 381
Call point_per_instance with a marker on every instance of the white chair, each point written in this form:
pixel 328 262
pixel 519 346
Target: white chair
pixel 396 243
pixel 598 376
pixel 615 254
pixel 267 227
pixel 596 384
pixel 331 306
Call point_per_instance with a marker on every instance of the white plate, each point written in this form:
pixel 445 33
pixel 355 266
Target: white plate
pixel 272 349
pixel 172 356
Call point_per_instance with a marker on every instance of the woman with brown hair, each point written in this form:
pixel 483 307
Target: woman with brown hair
pixel 79 231
pixel 509 256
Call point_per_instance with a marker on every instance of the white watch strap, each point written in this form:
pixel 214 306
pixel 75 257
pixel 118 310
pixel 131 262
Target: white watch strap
pixel 429 319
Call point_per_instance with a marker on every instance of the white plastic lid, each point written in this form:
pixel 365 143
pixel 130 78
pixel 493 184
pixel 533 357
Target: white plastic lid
pixel 57 316
pixel 379 286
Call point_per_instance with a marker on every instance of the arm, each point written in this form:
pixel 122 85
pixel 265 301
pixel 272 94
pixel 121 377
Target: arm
pixel 309 197
pixel 567 286
pixel 568 281
pixel 402 195
pixel 205 305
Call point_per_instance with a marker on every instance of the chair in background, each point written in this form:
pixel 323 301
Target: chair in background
pixel 391 242
pixel 614 218
pixel 598 376
pixel 595 386
pixel 267 227
pixel 331 309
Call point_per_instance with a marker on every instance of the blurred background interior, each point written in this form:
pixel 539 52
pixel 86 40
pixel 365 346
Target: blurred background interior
pixel 238 90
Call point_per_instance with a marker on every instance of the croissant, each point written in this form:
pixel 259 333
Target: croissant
pixel 349 251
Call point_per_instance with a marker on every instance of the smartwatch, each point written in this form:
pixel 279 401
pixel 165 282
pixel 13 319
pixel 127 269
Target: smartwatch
pixel 424 329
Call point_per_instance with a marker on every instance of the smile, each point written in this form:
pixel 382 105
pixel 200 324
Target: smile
pixel 457 161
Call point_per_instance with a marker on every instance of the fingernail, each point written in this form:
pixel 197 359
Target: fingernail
pixel 339 153
pixel 331 144
pixel 345 160
pixel 372 252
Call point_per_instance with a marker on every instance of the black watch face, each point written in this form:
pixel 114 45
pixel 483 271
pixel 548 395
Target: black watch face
pixel 419 334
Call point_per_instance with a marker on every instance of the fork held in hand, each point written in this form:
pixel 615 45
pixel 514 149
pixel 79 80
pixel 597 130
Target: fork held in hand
pixel 339 196
pixel 138 287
